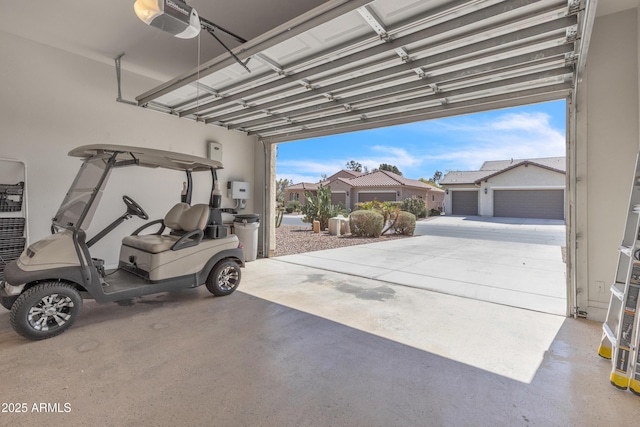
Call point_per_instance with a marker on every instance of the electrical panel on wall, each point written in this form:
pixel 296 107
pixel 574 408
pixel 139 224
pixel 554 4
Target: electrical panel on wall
pixel 214 151
pixel 238 190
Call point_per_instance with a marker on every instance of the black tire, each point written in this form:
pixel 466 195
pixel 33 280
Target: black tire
pixel 224 278
pixel 46 310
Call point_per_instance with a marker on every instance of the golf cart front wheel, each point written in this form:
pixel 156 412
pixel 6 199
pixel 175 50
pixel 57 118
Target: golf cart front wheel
pixel 45 310
pixel 224 278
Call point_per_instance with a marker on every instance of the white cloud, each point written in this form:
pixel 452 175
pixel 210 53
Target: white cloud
pixel 395 156
pixel 521 135
pixel 328 166
pixel 299 169
pixel 461 143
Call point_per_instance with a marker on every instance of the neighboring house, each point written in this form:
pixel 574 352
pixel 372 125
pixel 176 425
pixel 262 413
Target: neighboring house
pixel 525 188
pixel 349 188
pixel 296 192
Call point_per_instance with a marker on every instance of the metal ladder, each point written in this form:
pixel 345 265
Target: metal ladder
pixel 620 337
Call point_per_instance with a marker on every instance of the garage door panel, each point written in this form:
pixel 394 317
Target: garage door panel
pixel 381 197
pixel 542 204
pixel 464 203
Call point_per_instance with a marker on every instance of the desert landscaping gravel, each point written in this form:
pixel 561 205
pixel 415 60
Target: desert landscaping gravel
pixel 296 240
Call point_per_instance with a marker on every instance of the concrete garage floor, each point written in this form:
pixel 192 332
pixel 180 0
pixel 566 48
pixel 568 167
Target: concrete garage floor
pixel 298 346
pixel 512 261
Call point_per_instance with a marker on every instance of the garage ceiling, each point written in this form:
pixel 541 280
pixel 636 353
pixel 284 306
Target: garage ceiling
pixel 352 65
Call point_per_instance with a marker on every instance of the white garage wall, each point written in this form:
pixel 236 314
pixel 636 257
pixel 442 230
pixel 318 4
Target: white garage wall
pixel 52 101
pixel 607 147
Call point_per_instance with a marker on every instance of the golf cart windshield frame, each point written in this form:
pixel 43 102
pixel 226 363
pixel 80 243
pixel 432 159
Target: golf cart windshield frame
pixel 82 199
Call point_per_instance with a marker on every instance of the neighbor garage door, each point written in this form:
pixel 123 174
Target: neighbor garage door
pixel 464 203
pixel 381 197
pixel 545 204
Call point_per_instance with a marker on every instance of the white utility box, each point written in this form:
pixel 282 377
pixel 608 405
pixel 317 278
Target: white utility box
pixel 238 190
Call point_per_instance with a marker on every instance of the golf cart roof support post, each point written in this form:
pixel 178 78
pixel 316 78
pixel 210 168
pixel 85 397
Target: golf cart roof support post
pixel 187 199
pixel 214 180
pixel 84 257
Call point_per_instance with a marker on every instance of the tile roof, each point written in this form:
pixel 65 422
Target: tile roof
pixel 350 172
pixel 381 178
pixel 463 177
pixel 345 180
pixel 303 186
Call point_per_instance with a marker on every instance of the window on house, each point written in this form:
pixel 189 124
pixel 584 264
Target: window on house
pixel 295 196
pixel 433 197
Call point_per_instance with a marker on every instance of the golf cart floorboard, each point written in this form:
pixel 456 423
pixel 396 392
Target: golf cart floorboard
pixel 120 280
pixel 121 284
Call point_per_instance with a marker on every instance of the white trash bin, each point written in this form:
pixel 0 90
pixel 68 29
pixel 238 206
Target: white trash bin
pixel 247 233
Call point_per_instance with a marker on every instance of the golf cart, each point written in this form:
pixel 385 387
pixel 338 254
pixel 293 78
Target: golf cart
pixel 189 247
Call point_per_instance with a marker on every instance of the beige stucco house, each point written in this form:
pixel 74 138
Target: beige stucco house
pixel 524 188
pixel 349 188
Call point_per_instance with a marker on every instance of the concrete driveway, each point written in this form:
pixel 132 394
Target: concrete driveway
pixel 507 261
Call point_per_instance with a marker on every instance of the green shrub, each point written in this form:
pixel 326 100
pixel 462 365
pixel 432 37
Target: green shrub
pixel 366 223
pixel 405 224
pixel 388 210
pixel 435 212
pixel 416 206
pixel 293 205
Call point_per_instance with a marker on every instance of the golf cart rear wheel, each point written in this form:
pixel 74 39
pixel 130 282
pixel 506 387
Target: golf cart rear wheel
pixel 224 278
pixel 46 310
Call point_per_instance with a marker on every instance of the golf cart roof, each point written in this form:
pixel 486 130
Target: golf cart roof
pixel 150 157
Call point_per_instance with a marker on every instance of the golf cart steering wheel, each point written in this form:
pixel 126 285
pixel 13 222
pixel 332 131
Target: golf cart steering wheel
pixel 134 209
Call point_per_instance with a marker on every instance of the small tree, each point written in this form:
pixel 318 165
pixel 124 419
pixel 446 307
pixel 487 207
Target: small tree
pixel 352 165
pixel 416 206
pixel 429 181
pixel 390 168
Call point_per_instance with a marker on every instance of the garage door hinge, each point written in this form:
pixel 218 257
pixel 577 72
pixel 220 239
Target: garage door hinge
pixel 570 59
pixel 574 7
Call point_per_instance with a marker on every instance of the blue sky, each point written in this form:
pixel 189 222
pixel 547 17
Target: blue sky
pixel 419 149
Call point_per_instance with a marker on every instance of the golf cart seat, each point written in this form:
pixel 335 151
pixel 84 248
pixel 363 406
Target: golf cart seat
pixel 183 251
pixel 187 226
